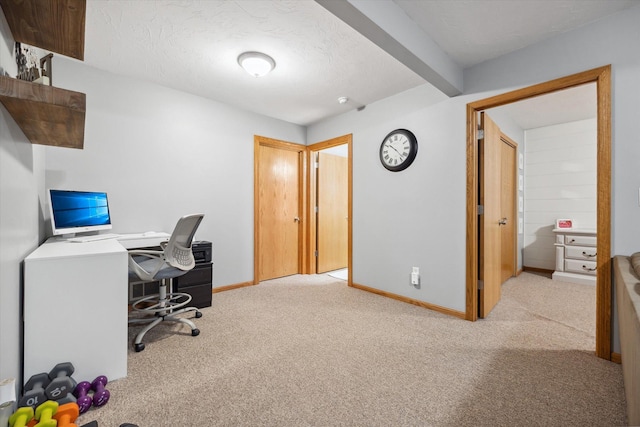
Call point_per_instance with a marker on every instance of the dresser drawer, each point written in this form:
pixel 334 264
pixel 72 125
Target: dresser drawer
pixel 580 252
pixel 578 266
pixel 578 240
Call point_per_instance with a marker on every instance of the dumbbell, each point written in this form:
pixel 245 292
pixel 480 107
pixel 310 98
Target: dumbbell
pixel 67 414
pixel 45 412
pixel 34 394
pixel 100 393
pixel 21 417
pixel 61 387
pixel 83 399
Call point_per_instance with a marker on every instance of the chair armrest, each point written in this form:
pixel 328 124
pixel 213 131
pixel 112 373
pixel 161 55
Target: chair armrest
pixel 147 254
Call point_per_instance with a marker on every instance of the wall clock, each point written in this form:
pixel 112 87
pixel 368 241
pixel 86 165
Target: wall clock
pixel 398 150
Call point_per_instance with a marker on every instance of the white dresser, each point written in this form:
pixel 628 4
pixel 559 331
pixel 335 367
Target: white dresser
pixel 575 255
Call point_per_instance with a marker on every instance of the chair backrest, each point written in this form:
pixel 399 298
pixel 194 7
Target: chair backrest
pixel 178 252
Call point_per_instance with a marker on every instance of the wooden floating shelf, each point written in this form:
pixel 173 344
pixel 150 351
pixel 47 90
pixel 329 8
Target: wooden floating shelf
pixel 54 25
pixel 47 115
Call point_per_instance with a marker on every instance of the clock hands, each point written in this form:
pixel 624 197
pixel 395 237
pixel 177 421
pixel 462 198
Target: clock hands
pixel 394 149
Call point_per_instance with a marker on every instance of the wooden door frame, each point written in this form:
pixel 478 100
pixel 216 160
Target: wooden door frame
pixel 602 78
pixel 310 235
pixel 259 141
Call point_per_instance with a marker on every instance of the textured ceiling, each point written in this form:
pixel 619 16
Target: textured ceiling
pixel 474 31
pixel 193 45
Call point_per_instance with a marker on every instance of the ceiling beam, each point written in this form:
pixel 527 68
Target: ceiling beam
pixel 388 26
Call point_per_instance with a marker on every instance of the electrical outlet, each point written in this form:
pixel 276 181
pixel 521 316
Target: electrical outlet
pixel 415 277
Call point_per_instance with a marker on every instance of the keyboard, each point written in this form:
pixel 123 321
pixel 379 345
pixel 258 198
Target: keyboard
pixel 84 239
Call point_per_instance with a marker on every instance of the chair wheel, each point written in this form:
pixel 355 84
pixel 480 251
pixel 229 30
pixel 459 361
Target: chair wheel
pixel 139 347
pixel 198 314
pixel 195 332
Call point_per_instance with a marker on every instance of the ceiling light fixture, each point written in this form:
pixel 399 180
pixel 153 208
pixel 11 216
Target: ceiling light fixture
pixel 343 100
pixel 256 63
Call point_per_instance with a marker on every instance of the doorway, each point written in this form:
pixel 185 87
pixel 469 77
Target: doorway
pixel 327 216
pixel 279 207
pixel 602 78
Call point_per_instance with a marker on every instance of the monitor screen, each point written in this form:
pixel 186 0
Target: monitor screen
pixel 78 211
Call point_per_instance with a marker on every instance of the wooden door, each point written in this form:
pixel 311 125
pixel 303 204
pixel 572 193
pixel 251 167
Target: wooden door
pixel 332 212
pixel 279 212
pixel 489 261
pixel 508 208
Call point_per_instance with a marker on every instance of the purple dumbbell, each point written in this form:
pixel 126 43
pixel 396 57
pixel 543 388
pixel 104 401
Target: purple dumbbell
pixel 81 392
pixel 100 393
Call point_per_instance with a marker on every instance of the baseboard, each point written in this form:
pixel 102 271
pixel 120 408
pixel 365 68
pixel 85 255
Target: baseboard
pixel 231 287
pixel 538 270
pixel 616 358
pixel 422 304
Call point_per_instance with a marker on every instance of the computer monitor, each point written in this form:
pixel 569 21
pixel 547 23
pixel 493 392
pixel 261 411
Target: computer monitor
pixel 78 211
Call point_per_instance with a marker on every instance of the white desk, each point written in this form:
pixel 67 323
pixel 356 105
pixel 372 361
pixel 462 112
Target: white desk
pixel 75 306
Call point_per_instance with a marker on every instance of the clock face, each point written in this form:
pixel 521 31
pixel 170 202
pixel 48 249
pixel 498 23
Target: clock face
pixel 398 150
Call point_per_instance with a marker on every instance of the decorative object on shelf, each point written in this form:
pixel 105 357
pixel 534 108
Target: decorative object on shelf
pixel 564 223
pixel 46 69
pixel 21 59
pixel 398 150
pixel 27 61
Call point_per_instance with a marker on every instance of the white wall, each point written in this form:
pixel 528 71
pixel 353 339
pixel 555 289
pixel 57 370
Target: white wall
pixel 611 41
pixel 417 217
pixel 160 154
pixel 21 179
pixel 409 218
pixel 560 182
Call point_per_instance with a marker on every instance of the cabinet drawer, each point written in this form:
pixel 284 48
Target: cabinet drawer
pixel 201 295
pixel 580 252
pixel 578 240
pixel 201 274
pixel 578 266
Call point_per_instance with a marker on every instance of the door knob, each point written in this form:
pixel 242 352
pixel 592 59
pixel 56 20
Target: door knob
pixel 503 221
pixel 296 219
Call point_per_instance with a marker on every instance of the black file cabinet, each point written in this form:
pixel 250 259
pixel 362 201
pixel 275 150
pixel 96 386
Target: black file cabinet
pixel 196 283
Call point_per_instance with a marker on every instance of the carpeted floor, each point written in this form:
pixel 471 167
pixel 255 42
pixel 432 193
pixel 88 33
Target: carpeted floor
pixel 285 353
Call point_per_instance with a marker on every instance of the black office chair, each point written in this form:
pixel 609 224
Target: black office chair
pixel 174 259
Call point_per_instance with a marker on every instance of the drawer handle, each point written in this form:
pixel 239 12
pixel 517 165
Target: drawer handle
pixel 589 255
pixel 584 267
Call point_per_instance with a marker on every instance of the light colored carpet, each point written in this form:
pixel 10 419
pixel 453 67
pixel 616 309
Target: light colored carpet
pixel 284 353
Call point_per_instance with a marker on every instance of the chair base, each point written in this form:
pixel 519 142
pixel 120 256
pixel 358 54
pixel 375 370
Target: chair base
pixel 156 320
pixel 166 308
